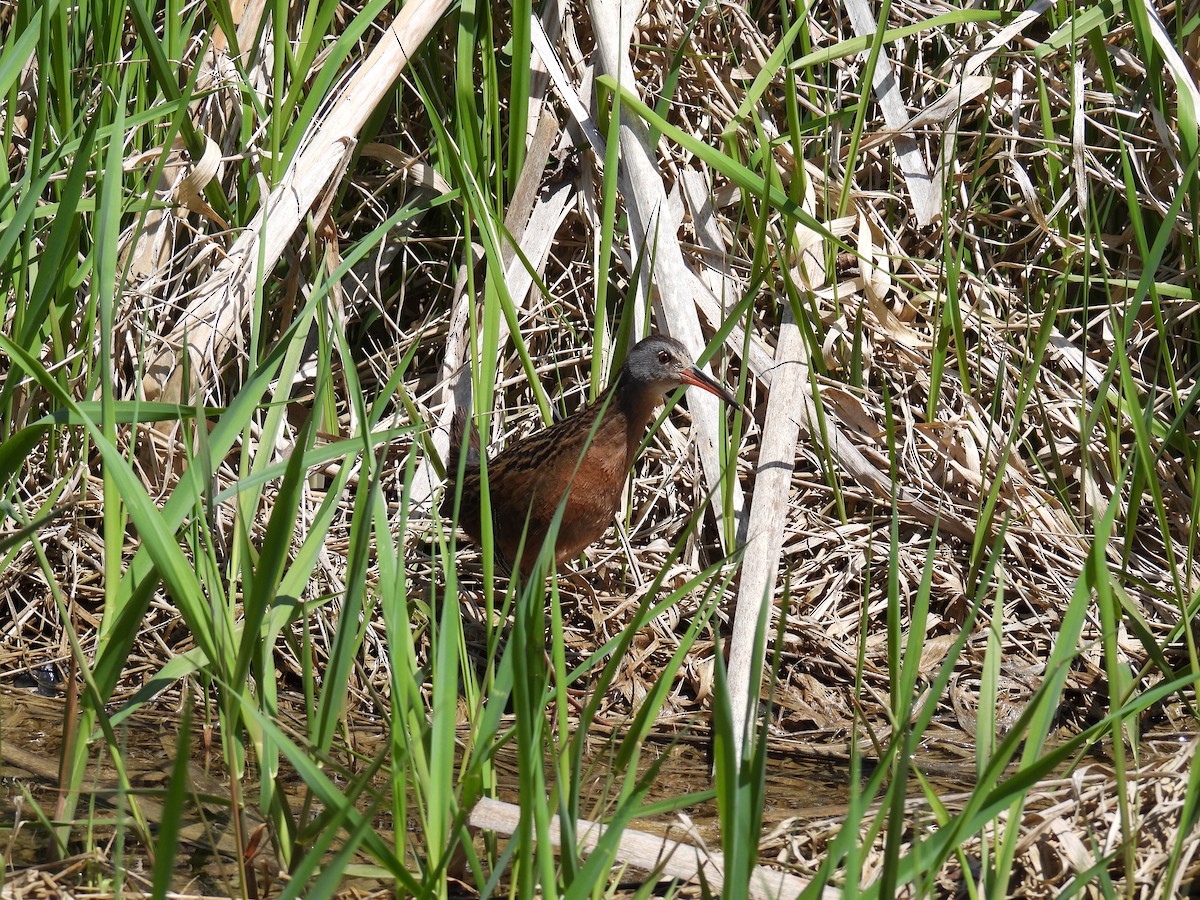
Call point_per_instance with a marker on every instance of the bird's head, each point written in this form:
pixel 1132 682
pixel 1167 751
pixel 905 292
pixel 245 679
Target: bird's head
pixel 661 364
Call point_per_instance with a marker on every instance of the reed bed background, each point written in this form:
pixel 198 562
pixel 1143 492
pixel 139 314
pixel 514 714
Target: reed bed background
pixel 950 265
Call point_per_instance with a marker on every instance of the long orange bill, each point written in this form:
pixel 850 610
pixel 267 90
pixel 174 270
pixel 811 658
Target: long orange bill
pixel 698 378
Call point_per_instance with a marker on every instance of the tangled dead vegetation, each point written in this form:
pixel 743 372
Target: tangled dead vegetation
pixel 959 301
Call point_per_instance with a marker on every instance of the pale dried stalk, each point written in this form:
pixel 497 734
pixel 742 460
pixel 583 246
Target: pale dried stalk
pixel 925 191
pixel 646 203
pixel 212 323
pixel 649 852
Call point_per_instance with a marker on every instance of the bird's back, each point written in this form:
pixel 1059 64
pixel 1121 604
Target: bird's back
pixel 527 481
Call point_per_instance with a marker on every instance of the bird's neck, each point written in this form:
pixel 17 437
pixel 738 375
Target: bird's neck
pixel 636 406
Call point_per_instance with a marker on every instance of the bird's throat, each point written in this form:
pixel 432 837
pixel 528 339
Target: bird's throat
pixel 636 407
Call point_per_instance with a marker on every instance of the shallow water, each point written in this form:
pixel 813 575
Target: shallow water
pixel 31 728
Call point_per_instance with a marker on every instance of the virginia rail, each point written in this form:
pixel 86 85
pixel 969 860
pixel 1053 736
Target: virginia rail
pixel 588 454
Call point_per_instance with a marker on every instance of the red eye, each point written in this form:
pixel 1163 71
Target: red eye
pixel 663 357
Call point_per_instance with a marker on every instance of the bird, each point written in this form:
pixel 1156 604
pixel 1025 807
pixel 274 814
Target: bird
pixel 586 456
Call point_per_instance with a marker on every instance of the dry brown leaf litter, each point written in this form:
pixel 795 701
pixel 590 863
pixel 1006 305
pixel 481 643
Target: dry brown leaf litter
pixel 834 566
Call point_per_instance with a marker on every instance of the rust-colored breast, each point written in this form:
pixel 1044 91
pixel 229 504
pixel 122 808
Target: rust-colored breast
pixel 586 456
